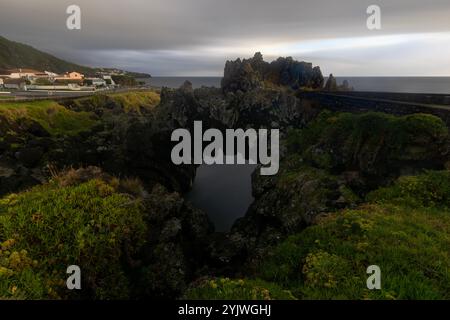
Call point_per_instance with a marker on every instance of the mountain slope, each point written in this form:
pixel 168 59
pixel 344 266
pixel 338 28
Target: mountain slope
pixel 18 55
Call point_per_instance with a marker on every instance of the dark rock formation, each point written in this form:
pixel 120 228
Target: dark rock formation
pixel 331 84
pixel 257 108
pixel 176 248
pixel 254 73
pixel 333 164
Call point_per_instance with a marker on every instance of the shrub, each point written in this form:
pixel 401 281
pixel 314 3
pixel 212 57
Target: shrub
pixel 239 289
pixel 53 117
pixel 129 102
pixel 408 240
pixel 431 189
pixel 50 227
pixel 374 143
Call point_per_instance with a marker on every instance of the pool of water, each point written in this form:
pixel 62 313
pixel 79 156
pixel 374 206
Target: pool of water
pixel 224 192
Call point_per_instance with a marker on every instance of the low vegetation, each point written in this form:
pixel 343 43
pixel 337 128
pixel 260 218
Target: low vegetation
pixel 73 220
pixel 53 117
pixel 129 102
pixel 245 289
pixel 408 240
pixel 132 101
pixel 372 142
pixel 399 218
pixel 339 216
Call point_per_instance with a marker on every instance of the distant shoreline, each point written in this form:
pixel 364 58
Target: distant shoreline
pixel 425 85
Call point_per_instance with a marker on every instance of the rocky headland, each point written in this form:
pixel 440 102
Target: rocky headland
pixel 347 182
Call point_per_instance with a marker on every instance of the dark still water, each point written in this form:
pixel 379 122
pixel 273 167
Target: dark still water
pixel 224 192
pixel 381 84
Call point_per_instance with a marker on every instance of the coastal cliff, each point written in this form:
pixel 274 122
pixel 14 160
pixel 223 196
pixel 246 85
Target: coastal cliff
pixel 98 169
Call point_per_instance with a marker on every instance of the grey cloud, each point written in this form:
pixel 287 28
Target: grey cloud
pixel 158 26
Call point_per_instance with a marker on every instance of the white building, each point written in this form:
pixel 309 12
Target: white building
pixel 51 74
pixel 109 81
pixel 96 82
pixel 23 73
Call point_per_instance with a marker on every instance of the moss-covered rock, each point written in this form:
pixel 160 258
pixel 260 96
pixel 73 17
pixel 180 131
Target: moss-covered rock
pixel 409 241
pixel 379 146
pixel 127 242
pixel 332 164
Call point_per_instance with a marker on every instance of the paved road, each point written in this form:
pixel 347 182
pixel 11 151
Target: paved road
pixel 43 95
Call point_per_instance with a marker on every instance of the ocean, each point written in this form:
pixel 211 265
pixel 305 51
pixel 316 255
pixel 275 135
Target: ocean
pixel 382 84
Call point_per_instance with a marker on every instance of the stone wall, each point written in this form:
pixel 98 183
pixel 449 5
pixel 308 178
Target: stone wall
pixel 380 102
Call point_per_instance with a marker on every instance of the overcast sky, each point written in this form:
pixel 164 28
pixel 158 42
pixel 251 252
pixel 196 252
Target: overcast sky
pixel 196 37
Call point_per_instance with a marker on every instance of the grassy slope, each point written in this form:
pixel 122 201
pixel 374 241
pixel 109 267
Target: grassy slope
pixel 48 228
pixel 128 101
pixel 58 120
pixel 132 100
pixel 409 241
pixel 52 116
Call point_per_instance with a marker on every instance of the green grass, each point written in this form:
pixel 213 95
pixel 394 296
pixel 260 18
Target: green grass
pixel 44 230
pixel 129 101
pixel 53 117
pixel 409 241
pixel 373 142
pixel 431 189
pixel 243 289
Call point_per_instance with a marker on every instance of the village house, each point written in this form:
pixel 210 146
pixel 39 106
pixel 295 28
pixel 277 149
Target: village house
pixel 30 79
pixel 23 73
pixel 69 77
pixel 75 75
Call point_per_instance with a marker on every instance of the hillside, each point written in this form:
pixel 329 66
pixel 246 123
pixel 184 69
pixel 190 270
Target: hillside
pixel 18 55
